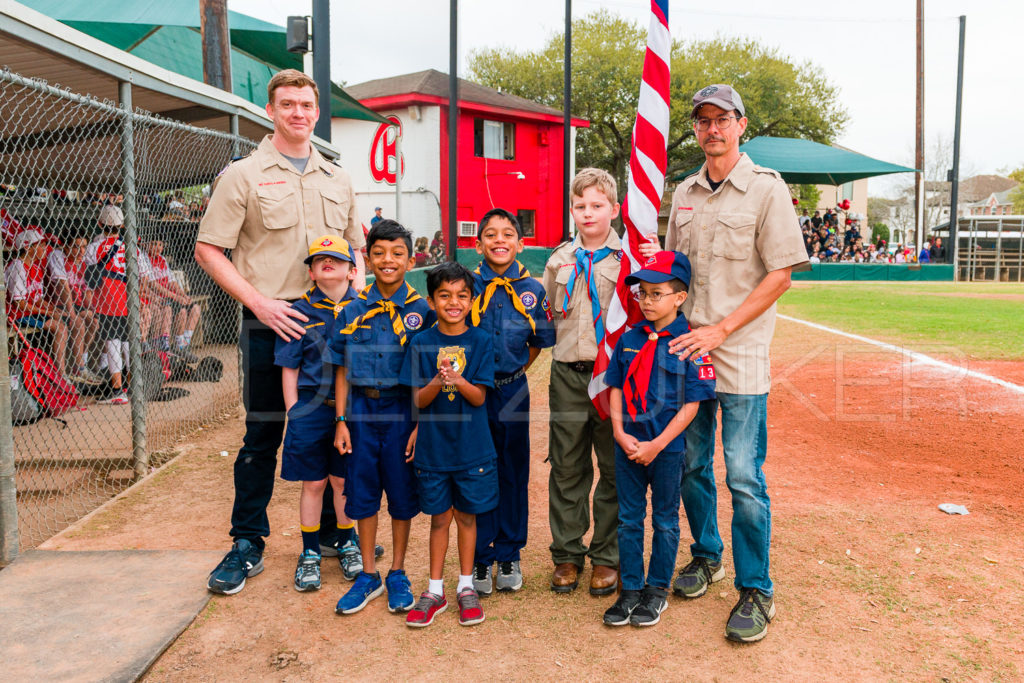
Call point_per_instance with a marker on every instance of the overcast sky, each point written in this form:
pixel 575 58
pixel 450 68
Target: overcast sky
pixel 867 48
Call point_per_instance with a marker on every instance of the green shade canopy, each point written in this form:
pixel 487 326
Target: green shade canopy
pixel 805 162
pixel 166 33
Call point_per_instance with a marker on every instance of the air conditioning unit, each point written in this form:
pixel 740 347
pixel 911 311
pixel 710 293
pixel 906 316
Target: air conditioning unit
pixel 467 229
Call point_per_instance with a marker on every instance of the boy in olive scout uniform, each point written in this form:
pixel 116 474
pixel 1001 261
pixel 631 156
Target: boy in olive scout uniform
pixel 580 278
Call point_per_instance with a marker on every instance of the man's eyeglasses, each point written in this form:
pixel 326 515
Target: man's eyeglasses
pixel 722 122
pixel 653 296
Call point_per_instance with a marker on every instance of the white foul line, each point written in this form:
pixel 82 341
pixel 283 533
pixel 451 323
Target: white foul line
pixel 912 355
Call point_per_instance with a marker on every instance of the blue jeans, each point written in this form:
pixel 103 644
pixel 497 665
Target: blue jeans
pixel 631 482
pixel 745 443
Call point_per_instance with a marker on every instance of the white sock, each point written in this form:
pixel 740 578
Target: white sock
pixel 436 586
pixel 85 358
pixel 187 334
pixel 464 582
pixel 179 342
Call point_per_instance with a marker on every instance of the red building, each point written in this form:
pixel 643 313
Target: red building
pixel 509 155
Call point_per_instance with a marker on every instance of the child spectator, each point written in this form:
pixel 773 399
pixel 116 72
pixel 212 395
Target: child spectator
pixel 513 309
pixel 184 312
pixel 307 379
pixel 654 397
pixel 368 350
pixel 67 287
pixel 421 252
pixel 449 367
pixel 581 276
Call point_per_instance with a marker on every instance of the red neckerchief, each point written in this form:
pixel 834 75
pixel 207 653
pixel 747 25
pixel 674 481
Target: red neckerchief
pixel 638 377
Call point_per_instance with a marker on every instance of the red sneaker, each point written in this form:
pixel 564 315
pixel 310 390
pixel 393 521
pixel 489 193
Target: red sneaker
pixel 470 611
pixel 426 608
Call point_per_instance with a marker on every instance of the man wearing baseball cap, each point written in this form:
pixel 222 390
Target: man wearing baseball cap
pixel 735 221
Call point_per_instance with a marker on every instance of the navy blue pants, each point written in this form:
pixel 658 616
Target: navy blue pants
pixel 256 463
pixel 501 533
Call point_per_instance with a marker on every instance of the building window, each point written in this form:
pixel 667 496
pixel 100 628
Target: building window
pixel 494 139
pixel 527 221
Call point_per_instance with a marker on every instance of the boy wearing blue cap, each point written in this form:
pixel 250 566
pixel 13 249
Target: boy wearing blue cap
pixel 307 379
pixel 654 397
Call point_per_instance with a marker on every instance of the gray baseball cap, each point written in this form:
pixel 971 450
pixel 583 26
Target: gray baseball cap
pixel 720 95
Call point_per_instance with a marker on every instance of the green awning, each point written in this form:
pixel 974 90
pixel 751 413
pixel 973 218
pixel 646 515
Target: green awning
pixel 805 162
pixel 166 33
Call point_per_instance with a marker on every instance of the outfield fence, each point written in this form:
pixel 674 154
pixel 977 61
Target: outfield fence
pixel 154 315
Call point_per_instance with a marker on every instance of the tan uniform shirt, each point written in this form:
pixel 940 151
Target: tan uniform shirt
pixel 734 237
pixel 269 214
pixel 575 339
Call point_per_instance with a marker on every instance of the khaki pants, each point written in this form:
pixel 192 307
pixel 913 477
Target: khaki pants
pixel 575 430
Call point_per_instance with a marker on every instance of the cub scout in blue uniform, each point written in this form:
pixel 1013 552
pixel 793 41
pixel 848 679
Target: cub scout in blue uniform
pixel 512 307
pixel 449 368
pixel 307 378
pixel 376 425
pixel 654 397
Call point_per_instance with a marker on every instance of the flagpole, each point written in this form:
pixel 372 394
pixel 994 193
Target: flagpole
pixel 566 119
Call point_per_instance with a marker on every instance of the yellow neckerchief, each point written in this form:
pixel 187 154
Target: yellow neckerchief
pixel 383 306
pixel 484 300
pixel 326 303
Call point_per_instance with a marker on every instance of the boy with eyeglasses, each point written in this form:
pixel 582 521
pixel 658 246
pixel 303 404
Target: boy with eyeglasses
pixel 655 394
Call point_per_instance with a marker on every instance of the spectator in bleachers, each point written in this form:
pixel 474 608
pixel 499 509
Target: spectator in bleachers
pixel 67 291
pixel 185 312
pixel 26 305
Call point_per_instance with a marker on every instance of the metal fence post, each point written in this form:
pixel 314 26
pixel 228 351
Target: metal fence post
pixel 140 457
pixel 8 492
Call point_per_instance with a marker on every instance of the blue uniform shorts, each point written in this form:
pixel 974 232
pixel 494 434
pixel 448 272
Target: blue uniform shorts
pixel 473 490
pixel 309 453
pixel 380 430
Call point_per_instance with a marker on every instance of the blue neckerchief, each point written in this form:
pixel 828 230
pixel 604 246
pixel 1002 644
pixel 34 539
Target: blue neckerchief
pixel 585 261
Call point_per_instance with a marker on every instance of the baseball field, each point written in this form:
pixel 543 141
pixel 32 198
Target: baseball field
pixel 920 402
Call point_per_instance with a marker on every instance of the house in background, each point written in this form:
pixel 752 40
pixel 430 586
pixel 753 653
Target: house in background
pixel 509 156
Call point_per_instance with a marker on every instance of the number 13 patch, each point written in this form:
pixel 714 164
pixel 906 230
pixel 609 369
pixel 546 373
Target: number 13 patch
pixel 706 372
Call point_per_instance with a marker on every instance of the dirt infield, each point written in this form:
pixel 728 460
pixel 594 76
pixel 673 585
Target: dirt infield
pixel 873 582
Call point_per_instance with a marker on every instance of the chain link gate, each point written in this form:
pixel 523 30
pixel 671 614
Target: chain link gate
pixel 66 162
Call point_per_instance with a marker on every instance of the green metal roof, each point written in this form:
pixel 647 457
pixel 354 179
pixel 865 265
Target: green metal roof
pixel 806 162
pixel 166 33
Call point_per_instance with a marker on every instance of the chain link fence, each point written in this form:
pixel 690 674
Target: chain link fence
pixel 100 205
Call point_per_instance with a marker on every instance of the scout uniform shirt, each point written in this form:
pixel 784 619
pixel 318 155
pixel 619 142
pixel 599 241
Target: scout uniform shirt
pixel 512 328
pixel 453 433
pixel 310 353
pixel 269 214
pixel 371 341
pixel 574 318
pixel 672 382
pixel 734 237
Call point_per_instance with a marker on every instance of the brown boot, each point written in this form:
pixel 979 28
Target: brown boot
pixel 604 580
pixel 565 578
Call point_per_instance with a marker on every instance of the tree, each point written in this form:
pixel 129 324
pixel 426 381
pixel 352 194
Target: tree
pixel 1017 194
pixel 807 196
pixel 781 98
pixel 879 231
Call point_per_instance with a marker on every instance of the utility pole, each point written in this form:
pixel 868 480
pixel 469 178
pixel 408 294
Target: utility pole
pixel 213 25
pixel 955 173
pixel 322 65
pixel 919 184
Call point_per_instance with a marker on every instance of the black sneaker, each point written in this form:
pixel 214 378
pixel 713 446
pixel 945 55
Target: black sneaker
pixel 242 561
pixel 618 614
pixel 330 548
pixel 748 621
pixel 694 578
pixel 652 603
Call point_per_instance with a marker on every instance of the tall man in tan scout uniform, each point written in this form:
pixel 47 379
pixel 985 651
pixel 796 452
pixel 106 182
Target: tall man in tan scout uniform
pixel 268 208
pixel 735 221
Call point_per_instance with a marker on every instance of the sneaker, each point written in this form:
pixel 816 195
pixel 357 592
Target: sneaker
pixel 186 356
pixel 470 611
pixel 118 399
pixel 400 597
pixel 307 572
pixel 653 602
pixel 351 561
pixel 694 578
pixel 618 614
pixel 426 608
pixel 748 621
pixel 483 583
pixel 242 561
pixel 510 577
pixel 331 549
pixel 84 376
pixel 366 588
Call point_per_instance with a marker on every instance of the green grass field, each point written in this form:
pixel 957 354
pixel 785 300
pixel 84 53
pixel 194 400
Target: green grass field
pixel 985 321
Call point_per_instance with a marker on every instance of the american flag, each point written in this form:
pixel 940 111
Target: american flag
pixel 646 184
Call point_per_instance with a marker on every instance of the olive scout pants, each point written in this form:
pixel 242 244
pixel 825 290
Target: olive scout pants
pixel 575 433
